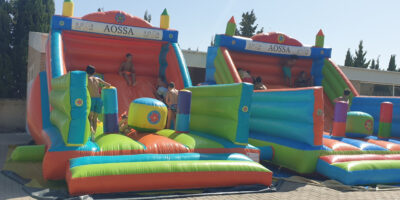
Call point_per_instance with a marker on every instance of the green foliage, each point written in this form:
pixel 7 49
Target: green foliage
pixel 392 63
pixel 359 58
pixel 17 18
pixel 375 64
pixel 6 73
pixel 247 27
pixel 349 59
pixel 147 16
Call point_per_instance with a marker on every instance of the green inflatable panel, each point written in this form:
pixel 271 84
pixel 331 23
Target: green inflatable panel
pixel 30 153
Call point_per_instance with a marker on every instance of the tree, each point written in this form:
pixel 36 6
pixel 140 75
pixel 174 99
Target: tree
pixel 147 16
pixel 247 27
pixel 6 75
pixel 359 57
pixel 349 59
pixel 375 64
pixel 28 15
pixel 392 63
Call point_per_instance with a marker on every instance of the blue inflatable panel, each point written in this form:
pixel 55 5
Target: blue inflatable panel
pixel 368 176
pixel 285 142
pixel 154 157
pixel 372 105
pixel 266 153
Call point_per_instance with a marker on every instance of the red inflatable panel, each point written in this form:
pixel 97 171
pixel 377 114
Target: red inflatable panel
pixel 110 17
pixel 159 144
pixel 339 146
pixel 276 38
pixel 385 144
pixel 269 68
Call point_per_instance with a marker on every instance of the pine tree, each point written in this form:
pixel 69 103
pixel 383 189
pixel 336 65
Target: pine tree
pixel 5 50
pixel 392 63
pixel 247 27
pixel 147 16
pixel 372 66
pixel 261 30
pixel 28 15
pixel 349 59
pixel 375 64
pixel 359 57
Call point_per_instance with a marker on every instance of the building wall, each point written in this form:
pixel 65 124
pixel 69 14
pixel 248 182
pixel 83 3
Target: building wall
pixel 12 115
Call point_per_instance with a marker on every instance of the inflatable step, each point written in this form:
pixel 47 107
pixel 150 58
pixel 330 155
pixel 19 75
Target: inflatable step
pixel 365 169
pixel 154 172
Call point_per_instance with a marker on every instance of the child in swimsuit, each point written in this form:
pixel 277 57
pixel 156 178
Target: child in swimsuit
pixel 95 85
pixel 127 70
pixel 287 69
pixel 171 99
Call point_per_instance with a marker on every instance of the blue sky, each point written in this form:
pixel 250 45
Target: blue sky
pixel 344 22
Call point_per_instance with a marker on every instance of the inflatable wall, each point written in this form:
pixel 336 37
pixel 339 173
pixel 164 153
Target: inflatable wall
pixel 306 130
pixel 107 161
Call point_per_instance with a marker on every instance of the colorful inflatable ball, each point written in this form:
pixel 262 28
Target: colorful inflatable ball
pixel 359 124
pixel 147 115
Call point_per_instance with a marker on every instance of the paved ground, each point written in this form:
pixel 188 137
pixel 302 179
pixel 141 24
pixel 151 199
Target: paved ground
pixel 288 190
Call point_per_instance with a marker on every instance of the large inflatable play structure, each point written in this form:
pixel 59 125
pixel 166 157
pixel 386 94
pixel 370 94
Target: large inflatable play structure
pixel 308 128
pixel 208 148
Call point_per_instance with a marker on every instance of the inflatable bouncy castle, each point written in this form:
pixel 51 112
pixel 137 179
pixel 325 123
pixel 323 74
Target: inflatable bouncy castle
pixel 208 149
pixel 308 129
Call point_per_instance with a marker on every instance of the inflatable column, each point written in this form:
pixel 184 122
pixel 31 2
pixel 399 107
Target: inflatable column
pixel 164 19
pixel 339 120
pixel 110 110
pixel 385 120
pixel 231 27
pixel 183 112
pixel 68 8
pixel 319 39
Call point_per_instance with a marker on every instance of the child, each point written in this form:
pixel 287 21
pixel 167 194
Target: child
pixel 258 84
pixel 127 70
pixel 287 69
pixel 171 99
pixel 302 80
pixel 123 125
pixel 345 97
pixel 94 86
pixel 245 75
pixel 161 89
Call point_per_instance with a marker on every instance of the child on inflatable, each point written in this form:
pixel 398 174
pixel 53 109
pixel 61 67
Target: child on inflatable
pixel 171 99
pixel 124 127
pixel 127 70
pixel 287 69
pixel 245 75
pixel 345 97
pixel 94 86
pixel 258 84
pixel 162 89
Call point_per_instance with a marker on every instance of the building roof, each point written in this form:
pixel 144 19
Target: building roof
pixel 372 76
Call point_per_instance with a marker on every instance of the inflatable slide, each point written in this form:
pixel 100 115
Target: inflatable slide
pixel 308 131
pixel 210 150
